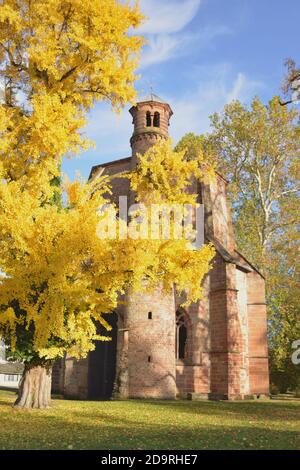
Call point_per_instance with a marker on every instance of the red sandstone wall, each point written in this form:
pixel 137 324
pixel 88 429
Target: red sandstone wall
pixel 193 373
pixel 120 186
pixel 242 298
pixel 226 335
pixel 151 346
pixel 76 378
pixel 58 376
pixel 258 344
pixel 217 212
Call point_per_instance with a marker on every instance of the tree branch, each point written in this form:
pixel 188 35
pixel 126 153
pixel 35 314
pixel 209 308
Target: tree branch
pixel 289 191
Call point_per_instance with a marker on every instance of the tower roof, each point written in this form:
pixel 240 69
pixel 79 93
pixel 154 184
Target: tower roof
pixel 151 97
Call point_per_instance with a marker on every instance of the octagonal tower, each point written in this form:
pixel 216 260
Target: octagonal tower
pixel 151 120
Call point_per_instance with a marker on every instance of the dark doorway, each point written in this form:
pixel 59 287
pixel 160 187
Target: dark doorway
pixel 102 364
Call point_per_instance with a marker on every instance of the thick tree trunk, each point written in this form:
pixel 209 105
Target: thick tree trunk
pixel 35 387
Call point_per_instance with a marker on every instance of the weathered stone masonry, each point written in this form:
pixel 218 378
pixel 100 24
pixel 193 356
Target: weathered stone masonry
pixel 216 348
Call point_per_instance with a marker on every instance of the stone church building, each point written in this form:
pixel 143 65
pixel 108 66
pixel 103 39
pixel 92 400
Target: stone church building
pixel 216 348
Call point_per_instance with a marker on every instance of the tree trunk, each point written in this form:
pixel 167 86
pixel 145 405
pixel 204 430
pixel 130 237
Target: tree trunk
pixel 35 387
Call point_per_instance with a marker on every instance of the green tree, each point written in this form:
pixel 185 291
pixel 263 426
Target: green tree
pixel 193 145
pixel 258 150
pixel 284 308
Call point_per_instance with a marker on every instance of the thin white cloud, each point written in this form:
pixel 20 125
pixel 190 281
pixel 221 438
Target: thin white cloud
pixel 238 88
pixel 164 28
pixel 164 47
pixel 167 16
pixel 191 112
pixel 161 48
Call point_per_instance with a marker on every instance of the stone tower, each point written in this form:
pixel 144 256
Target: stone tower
pixel 147 363
pixel 151 120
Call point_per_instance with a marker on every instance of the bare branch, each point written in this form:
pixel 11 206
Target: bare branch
pixel 289 191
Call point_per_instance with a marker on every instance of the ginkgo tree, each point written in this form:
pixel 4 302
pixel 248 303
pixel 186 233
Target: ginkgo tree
pixel 58 277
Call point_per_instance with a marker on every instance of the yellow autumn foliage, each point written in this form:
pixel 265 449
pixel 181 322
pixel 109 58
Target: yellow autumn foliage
pixel 166 176
pixel 64 278
pixel 58 57
pixel 57 277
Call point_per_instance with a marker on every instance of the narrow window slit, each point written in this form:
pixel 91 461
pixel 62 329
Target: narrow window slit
pixel 148 119
pixel 156 122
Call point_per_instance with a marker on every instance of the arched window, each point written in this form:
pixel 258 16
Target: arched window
pixel 156 122
pixel 181 335
pixel 148 119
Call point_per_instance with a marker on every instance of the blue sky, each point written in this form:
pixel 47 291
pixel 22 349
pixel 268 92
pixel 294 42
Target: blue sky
pixel 200 55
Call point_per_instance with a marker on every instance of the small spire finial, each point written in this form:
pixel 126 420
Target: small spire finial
pixel 151 88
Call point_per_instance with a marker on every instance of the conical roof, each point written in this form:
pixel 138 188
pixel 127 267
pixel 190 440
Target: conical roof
pixel 151 97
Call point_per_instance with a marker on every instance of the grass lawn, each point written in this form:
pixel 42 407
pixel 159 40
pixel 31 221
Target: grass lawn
pixel 151 425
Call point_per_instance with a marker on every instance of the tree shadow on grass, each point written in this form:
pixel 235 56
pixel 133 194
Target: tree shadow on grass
pixel 4 402
pixel 150 425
